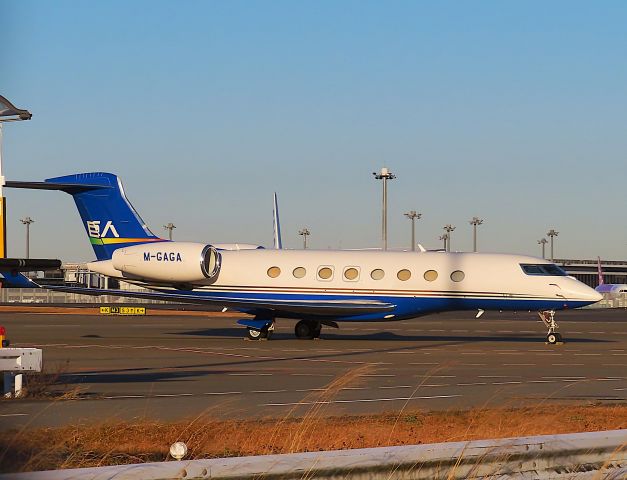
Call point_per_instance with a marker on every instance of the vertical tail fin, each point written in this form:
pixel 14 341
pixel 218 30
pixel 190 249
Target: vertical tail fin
pixel 109 219
pixel 278 242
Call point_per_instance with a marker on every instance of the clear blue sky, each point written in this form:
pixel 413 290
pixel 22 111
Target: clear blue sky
pixel 512 111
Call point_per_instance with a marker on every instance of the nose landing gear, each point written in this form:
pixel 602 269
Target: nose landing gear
pixel 548 318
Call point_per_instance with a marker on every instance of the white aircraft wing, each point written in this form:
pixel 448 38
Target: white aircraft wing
pixel 286 307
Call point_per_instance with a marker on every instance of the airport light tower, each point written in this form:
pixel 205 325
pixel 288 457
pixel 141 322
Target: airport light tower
pixel 27 221
pixel 8 113
pixel 169 227
pixel 384 175
pixel 304 233
pixel 543 242
pixel 445 238
pixel 448 229
pixel 412 215
pixel 474 222
pixel 552 233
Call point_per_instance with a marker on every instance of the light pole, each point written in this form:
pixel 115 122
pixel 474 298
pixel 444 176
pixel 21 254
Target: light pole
pixel 169 227
pixel 543 242
pixel 448 228
pixel 552 233
pixel 445 238
pixel 412 215
pixel 305 233
pixel 27 221
pixel 8 113
pixel 474 222
pixel 384 175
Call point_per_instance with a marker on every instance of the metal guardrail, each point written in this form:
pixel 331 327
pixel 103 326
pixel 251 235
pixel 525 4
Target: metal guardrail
pixel 14 361
pixel 43 296
pixel 598 455
pixel 20 360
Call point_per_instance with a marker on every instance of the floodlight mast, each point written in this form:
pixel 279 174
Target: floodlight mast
pixel 169 227
pixel 384 175
pixel 552 233
pixel 474 222
pixel 543 242
pixel 27 221
pixel 304 233
pixel 448 229
pixel 412 215
pixel 8 113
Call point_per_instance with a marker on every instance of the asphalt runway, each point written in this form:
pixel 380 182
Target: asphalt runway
pixel 174 367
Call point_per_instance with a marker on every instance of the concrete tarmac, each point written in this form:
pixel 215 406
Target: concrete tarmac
pixel 173 367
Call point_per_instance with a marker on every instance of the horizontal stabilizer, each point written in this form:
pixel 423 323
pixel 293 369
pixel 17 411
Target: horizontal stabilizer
pixel 63 187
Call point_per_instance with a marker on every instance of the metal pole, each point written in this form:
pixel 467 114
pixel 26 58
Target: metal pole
pixel 552 233
pixel 28 240
pixel 384 221
pixel 448 228
pixel 552 256
pixel 543 243
pixel 413 234
pixel 304 233
pixel 474 237
pixel 1 176
pixel 3 210
pixel 412 215
pixel 384 175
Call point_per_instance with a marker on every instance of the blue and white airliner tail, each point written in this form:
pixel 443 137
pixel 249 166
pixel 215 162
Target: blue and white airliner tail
pixel 314 287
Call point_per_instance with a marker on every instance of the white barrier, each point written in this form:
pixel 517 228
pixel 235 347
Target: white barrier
pixel 16 360
pixel 598 455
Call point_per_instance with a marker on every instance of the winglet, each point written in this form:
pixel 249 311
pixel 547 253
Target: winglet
pixel 278 243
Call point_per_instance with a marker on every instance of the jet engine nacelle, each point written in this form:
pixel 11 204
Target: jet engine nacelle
pixel 168 261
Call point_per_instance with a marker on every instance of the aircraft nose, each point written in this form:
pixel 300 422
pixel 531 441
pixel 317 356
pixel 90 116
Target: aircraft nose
pixel 588 294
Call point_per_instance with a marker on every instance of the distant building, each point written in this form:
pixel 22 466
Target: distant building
pixel 586 271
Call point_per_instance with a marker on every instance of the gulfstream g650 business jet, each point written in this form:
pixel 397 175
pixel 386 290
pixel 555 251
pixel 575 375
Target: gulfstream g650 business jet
pixel 314 287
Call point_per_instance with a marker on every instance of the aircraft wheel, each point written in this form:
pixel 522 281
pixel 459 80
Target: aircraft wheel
pixel 304 330
pixel 254 334
pixel 552 338
pixel 317 330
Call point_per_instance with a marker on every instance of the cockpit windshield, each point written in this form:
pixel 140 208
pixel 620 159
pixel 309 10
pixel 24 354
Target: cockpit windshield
pixel 547 269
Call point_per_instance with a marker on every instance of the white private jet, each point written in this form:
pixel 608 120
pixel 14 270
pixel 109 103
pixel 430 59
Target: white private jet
pixel 315 288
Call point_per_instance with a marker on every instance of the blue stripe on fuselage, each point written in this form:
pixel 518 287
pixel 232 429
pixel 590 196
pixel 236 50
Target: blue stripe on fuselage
pixel 404 306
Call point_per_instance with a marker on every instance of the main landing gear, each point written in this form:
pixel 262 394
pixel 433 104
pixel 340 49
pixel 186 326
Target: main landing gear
pixel 307 329
pixel 548 318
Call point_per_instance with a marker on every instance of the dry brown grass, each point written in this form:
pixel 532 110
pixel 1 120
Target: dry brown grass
pixel 111 443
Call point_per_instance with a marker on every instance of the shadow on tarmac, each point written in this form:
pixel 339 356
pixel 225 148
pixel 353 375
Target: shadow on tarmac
pixel 329 334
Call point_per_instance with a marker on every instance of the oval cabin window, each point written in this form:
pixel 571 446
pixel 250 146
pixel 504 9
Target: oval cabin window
pixel 274 272
pixel 325 273
pixel 403 275
pixel 299 272
pixel 431 275
pixel 458 276
pixel 377 274
pixel 351 273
